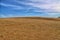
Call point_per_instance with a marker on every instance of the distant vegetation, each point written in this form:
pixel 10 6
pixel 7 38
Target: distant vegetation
pixel 58 17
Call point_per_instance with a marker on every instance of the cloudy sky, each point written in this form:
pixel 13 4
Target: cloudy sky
pixel 16 8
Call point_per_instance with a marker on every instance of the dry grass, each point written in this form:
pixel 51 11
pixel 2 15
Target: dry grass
pixel 29 29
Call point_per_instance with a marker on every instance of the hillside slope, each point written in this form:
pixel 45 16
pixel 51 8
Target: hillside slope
pixel 29 29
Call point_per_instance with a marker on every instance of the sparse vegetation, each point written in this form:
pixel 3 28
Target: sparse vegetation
pixel 58 17
pixel 29 29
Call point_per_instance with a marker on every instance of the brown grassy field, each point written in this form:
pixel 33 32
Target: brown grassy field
pixel 30 28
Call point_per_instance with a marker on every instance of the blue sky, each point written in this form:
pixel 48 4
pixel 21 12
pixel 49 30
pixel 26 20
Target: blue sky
pixel 19 8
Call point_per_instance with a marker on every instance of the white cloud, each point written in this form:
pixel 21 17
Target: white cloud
pixel 2 15
pixel 11 6
pixel 8 15
pixel 47 5
pixel 50 7
pixel 53 14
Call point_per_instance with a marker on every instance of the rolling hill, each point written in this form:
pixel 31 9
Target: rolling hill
pixel 29 28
